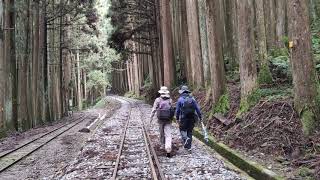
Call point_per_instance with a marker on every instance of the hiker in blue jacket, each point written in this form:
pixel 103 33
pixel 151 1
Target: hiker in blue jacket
pixel 187 113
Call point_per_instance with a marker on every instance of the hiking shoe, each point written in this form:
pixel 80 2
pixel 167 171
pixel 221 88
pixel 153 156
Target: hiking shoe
pixel 168 155
pixel 187 142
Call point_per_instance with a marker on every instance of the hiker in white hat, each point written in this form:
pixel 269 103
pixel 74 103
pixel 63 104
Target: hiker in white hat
pixel 165 112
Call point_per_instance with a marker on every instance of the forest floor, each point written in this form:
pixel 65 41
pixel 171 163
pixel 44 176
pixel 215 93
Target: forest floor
pixel 269 133
pixel 56 154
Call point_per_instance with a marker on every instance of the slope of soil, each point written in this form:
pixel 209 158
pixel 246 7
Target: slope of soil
pixel 270 133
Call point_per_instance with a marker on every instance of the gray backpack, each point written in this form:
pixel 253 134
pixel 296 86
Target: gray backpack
pixel 165 111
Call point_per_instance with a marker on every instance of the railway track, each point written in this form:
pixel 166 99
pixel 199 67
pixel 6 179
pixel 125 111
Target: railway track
pixel 12 157
pixel 201 163
pixel 122 148
pixel 136 157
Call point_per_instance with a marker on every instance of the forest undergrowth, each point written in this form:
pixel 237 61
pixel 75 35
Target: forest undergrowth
pixel 271 128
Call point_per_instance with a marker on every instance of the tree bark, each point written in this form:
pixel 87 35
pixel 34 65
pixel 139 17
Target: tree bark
pixel 204 42
pixel 281 18
pixel 35 63
pixel 2 70
pixel 231 33
pixel 194 43
pixel 167 42
pixel 264 73
pixel 248 71
pixel 303 69
pixel 185 55
pixel 270 23
pixel 13 61
pixel 215 53
pixel 79 96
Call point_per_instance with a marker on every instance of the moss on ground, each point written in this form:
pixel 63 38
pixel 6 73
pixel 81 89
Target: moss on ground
pixel 306 173
pixel 249 101
pixel 129 94
pixel 3 133
pixel 308 120
pixel 265 76
pixel 132 95
pixel 268 93
pixel 253 169
pixel 223 105
pixel 101 103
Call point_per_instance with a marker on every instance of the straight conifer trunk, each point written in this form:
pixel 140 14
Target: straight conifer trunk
pixel 215 53
pixel 281 18
pixel 167 44
pixel 248 70
pixel 303 69
pixel 194 43
pixel 265 76
pixel 2 71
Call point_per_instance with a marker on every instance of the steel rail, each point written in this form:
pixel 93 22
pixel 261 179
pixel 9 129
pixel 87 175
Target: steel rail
pixel 153 169
pixel 31 141
pixel 14 161
pixel 115 171
pixel 153 152
pixel 154 166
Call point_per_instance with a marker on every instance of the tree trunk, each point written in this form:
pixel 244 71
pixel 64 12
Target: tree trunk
pixel 35 63
pixel 85 93
pixel 185 55
pixel 215 53
pixel 281 18
pixel 265 76
pixel 248 71
pixel 23 27
pixel 231 29
pixel 270 23
pixel 204 42
pixel 10 105
pixel 136 74
pixel 129 75
pixel 2 71
pixel 317 8
pixel 167 42
pixel 194 43
pixel 303 70
pixel 13 61
pixel 45 66
pixel 79 99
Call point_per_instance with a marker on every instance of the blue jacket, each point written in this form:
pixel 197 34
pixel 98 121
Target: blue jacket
pixel 180 102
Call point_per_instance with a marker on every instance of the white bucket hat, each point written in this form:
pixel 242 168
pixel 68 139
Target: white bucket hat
pixel 164 90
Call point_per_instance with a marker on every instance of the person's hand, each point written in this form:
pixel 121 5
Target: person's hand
pixel 179 123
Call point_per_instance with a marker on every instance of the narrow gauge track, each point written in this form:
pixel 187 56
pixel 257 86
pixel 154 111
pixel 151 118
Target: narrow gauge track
pixel 12 157
pixel 136 157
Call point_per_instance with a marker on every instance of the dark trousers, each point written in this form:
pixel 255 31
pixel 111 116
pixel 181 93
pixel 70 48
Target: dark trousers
pixel 186 128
